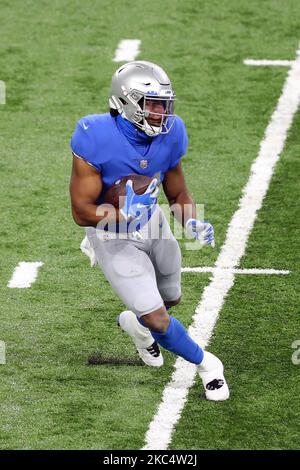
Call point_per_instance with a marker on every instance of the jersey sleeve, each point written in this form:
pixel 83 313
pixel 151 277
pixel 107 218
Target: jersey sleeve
pixel 180 143
pixel 83 144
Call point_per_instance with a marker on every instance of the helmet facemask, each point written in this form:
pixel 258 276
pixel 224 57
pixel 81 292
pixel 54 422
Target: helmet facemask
pixel 154 123
pixel 136 111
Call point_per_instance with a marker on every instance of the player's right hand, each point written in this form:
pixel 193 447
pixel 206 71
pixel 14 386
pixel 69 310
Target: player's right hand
pixel 136 205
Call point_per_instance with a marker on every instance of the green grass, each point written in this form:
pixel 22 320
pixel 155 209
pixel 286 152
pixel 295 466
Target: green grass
pixel 56 60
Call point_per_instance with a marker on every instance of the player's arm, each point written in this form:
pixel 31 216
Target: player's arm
pixel 85 188
pixel 178 195
pixel 184 208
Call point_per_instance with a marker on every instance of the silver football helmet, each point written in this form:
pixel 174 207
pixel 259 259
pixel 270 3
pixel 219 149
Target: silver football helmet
pixel 140 89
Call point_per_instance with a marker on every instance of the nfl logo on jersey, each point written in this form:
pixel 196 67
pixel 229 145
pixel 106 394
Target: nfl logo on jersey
pixel 143 164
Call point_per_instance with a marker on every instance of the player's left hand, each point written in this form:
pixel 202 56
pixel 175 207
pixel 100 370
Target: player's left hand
pixel 201 230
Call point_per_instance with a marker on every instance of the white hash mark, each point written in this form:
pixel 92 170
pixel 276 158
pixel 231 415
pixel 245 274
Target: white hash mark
pixel 127 50
pixel 24 274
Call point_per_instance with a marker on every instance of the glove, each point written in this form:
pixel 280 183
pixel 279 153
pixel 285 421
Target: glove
pixel 136 205
pixel 202 231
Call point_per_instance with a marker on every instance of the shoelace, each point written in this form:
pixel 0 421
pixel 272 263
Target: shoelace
pixel 154 349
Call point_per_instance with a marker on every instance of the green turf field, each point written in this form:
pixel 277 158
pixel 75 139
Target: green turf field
pixel 56 61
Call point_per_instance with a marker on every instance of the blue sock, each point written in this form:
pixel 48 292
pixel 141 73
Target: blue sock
pixel 177 340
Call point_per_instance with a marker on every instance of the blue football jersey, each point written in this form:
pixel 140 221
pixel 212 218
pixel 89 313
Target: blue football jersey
pixel 101 143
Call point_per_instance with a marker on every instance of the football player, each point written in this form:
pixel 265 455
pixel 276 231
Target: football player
pixel 141 135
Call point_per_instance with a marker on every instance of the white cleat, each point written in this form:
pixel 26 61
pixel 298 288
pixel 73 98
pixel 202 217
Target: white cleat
pixel 145 344
pixel 152 355
pixel 211 371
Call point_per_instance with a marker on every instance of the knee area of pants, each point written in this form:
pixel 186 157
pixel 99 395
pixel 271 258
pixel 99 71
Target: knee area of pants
pixel 171 294
pixel 146 302
pixel 171 258
pixel 172 303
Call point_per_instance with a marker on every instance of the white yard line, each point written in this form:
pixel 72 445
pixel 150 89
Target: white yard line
pixel 128 49
pixel 175 393
pixel 264 63
pixel 24 275
pixel 207 269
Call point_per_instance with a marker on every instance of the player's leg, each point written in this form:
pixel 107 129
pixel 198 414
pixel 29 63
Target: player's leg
pixel 166 259
pixel 132 276
pixel 171 335
pixel 165 255
pixel 168 282
pixel 167 330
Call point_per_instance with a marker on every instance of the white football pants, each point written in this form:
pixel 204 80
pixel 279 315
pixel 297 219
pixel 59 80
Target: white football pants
pixel 143 268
